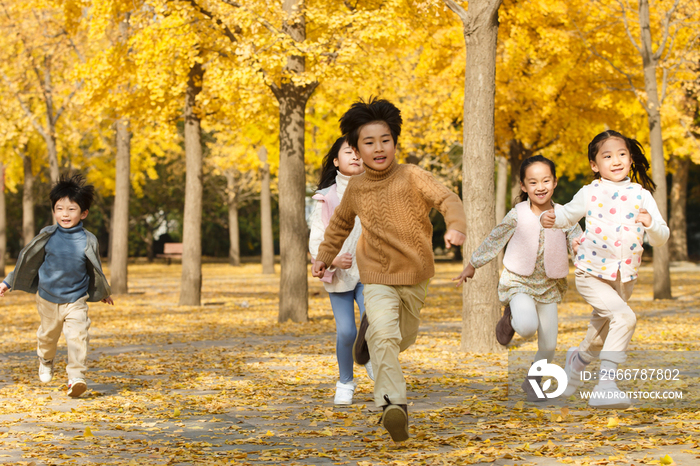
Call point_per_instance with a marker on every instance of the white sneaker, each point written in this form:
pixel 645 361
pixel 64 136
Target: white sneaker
pixel 344 392
pixel 609 397
pixel 574 381
pixel 370 371
pixel 45 371
pixel 76 387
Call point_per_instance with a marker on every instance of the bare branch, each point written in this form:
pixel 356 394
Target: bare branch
pixel 461 12
pixel 227 32
pixel 666 29
pixel 67 101
pixel 25 107
pixel 627 27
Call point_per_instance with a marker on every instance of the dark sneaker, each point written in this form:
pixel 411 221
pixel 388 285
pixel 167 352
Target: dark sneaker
pixel 395 421
pixel 360 350
pixel 529 391
pixel 504 330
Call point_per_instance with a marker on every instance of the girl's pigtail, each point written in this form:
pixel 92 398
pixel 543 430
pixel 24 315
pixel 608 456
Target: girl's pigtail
pixel 640 165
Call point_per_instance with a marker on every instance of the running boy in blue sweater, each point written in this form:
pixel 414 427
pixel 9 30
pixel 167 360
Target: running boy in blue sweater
pixel 62 266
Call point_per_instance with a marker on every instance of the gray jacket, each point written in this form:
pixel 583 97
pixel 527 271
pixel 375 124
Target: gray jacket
pixel 25 277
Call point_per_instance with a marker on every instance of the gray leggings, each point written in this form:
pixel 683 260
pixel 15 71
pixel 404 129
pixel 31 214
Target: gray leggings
pixel 529 316
pixel 343 305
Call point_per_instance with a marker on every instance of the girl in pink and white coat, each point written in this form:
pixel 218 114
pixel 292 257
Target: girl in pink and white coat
pixel 342 279
pixel 536 263
pixel 619 209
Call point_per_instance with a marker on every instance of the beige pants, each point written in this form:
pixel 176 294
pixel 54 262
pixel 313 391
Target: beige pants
pixel 612 320
pixel 73 319
pixel 393 315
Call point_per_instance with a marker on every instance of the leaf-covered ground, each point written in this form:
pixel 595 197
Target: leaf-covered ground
pixel 225 383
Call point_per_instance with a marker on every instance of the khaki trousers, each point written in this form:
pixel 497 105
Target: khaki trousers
pixel 393 314
pixel 612 320
pixel 73 319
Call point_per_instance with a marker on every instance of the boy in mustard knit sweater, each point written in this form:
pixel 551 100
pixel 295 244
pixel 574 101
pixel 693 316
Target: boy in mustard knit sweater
pixel 394 253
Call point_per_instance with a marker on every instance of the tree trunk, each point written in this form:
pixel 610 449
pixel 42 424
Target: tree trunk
pixel 662 274
pixel 517 152
pixel 150 254
pixel 28 228
pixel 191 283
pixel 481 309
pixel 268 244
pixel 120 214
pixel 678 242
pixel 3 222
pixel 234 251
pixel 501 192
pixel 53 156
pixel 292 98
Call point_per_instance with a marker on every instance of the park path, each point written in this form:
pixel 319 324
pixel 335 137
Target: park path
pixel 161 392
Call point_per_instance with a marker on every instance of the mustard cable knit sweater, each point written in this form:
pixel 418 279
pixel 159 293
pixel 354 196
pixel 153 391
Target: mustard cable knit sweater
pixel 393 206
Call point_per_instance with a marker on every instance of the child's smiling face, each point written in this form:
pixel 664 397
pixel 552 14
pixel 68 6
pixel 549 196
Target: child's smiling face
pixel 376 146
pixel 539 184
pixel 67 213
pixel 613 160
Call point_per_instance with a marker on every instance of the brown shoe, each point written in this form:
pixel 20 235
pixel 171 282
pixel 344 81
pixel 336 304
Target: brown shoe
pixel 360 350
pixel 395 421
pixel 504 330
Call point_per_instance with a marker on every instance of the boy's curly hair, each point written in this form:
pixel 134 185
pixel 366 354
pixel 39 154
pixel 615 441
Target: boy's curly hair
pixel 75 189
pixel 362 113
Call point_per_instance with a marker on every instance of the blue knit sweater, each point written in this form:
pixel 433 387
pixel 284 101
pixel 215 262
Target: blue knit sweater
pixel 63 276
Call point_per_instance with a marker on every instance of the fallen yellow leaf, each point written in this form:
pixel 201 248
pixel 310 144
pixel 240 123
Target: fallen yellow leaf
pixel 666 459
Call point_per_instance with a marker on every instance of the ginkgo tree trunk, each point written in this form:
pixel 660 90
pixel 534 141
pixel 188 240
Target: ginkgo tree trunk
pixel 481 308
pixel 27 200
pixel 267 241
pixel 292 98
pixel 119 238
pixel 234 250
pixel 191 281
pixel 120 214
pixel 3 221
pixel 650 58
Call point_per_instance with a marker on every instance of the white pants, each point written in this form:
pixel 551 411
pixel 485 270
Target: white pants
pixel 529 316
pixel 612 320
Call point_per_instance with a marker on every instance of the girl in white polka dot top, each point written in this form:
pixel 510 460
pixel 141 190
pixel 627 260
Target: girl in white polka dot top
pixel 619 209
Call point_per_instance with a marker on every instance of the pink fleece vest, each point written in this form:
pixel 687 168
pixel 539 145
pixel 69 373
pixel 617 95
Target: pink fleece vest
pixel 521 253
pixel 330 202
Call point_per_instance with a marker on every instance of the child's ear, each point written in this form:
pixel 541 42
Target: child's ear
pixel 336 162
pixel 522 186
pixel 594 166
pixel 83 214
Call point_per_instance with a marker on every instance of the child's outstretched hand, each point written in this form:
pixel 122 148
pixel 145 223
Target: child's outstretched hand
pixel 318 269
pixel 575 244
pixel 108 300
pixel 644 217
pixel 343 261
pixel 548 218
pixel 3 289
pixel 468 272
pixel 453 237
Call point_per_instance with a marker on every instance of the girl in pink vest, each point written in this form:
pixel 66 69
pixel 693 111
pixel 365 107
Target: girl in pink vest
pixel 536 263
pixel 618 212
pixel 342 279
